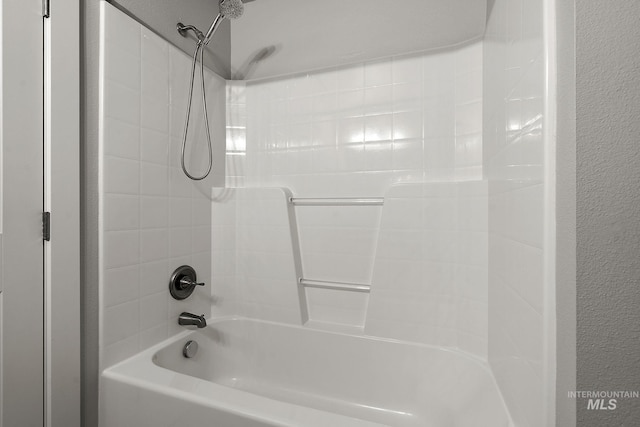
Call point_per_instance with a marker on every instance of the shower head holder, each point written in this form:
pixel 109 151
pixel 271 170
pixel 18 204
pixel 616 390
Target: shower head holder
pixel 229 9
pixel 183 30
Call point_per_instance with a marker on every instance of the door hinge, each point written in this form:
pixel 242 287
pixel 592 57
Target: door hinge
pixel 46 8
pixel 46 226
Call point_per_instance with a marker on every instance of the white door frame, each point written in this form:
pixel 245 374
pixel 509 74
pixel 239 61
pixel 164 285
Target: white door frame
pixel 22 199
pixel 40 138
pixel 62 199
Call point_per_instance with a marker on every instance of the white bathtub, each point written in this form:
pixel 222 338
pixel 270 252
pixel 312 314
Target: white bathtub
pixel 254 373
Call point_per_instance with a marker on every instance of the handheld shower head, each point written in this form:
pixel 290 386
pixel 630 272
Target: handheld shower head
pixel 230 9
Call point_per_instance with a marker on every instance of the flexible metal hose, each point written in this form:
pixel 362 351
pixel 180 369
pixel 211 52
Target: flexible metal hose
pixel 198 52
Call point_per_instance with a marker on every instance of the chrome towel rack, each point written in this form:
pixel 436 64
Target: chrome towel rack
pixel 340 286
pixel 336 201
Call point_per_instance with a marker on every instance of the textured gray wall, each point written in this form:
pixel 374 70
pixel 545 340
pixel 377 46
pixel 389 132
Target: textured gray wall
pixel 608 206
pixel 161 16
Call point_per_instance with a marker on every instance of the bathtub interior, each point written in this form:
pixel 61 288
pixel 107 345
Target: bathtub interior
pixel 383 381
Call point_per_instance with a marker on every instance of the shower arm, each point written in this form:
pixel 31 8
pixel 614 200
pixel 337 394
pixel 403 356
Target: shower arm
pixel 203 39
pixel 184 29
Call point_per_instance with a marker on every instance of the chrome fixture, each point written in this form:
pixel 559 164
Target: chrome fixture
pixel 184 29
pixel 229 9
pixel 339 286
pixel 189 319
pixel 337 201
pixel 183 282
pixel 190 349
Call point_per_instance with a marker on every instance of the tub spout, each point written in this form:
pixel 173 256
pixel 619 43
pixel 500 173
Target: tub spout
pixel 188 319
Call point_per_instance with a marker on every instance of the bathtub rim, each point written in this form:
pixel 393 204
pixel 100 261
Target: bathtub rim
pixel 211 321
pixel 115 372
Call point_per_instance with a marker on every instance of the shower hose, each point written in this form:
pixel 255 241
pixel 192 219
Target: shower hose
pixel 198 53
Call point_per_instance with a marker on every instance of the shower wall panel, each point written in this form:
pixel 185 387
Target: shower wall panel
pixel 152 218
pixel 255 255
pixel 355 131
pixel 430 275
pixel 514 147
pixel 429 279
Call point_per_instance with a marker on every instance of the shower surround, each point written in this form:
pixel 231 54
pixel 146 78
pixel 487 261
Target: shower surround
pixel 376 129
pixel 450 139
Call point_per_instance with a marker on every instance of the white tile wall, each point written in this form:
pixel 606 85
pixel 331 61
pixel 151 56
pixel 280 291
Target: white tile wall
pixel 335 307
pixel 223 219
pixel 514 91
pixel 255 257
pixel 153 219
pixel 429 281
pixel 353 132
pixel 516 321
pixel 430 272
pixel 338 243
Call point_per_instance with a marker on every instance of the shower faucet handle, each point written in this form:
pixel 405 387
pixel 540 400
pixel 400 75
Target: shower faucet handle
pixel 183 282
pixel 186 282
